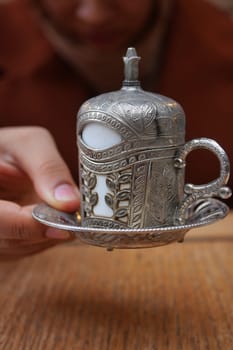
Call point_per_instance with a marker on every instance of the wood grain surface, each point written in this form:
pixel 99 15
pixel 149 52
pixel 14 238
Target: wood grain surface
pixel 85 298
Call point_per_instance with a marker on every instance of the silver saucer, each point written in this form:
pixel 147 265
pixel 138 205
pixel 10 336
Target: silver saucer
pixel 201 213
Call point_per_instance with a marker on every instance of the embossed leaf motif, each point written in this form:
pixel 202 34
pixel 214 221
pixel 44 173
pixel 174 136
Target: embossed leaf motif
pixel 91 182
pixel 109 200
pixel 83 173
pixel 87 208
pixel 123 195
pixel 142 118
pixel 121 212
pixel 94 199
pixel 124 178
pixel 149 111
pixel 85 191
pixel 111 184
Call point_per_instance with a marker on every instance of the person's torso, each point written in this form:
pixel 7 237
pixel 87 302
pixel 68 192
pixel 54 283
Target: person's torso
pixel 196 70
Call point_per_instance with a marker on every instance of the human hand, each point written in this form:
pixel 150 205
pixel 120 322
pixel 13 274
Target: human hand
pixel 31 170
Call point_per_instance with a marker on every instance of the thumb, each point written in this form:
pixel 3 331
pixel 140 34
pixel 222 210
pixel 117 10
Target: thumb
pixel 34 151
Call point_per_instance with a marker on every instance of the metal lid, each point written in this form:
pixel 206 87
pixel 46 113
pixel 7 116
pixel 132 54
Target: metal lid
pixel 137 115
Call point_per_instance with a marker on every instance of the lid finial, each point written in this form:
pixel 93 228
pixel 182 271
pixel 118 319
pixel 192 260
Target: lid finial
pixel 131 61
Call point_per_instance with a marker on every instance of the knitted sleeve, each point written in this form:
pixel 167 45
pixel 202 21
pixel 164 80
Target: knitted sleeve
pixel 224 5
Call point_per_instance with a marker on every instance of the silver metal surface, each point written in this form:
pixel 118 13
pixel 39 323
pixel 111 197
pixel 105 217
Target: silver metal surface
pixel 200 213
pixel 144 172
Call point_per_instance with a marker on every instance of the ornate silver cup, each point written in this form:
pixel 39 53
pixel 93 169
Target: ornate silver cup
pixel 132 166
pixel 132 155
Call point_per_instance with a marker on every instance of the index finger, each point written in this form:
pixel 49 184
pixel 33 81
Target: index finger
pixel 34 151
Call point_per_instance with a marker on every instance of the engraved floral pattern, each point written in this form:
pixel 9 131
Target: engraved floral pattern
pixel 90 198
pixel 118 198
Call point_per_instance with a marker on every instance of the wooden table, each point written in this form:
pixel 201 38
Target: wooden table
pixel 77 298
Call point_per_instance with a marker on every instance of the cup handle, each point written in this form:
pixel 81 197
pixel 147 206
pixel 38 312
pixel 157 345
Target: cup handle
pixel 215 188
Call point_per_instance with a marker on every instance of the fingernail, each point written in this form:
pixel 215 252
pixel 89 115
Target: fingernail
pixel 66 193
pixel 57 234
